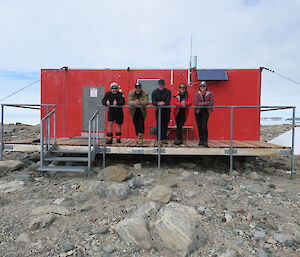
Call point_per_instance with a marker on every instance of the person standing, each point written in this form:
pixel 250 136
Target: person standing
pixel 182 99
pixel 203 98
pixel 138 99
pixel 162 97
pixel 115 115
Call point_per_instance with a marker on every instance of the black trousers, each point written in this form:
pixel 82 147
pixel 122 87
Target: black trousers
pixel 202 119
pixel 139 121
pixel 165 119
pixel 180 120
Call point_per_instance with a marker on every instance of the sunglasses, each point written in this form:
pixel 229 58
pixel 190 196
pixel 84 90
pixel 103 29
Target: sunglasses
pixel 114 88
pixel 182 87
pixel 202 86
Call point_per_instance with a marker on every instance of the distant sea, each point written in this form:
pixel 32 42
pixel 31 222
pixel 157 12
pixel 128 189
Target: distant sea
pixel 278 121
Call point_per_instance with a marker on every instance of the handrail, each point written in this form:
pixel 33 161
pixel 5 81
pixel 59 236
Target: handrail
pixel 45 140
pixel 93 140
pixel 26 106
pixel 20 105
pixel 232 109
pixel 197 106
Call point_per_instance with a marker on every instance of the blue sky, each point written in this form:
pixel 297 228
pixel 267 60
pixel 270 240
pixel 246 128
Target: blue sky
pixel 148 34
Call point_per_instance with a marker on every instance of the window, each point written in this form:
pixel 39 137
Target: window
pixel 149 85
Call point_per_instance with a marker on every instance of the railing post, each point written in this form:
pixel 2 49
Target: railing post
pixel 89 147
pixel 104 140
pixel 48 132
pixel 97 129
pixel 2 132
pixel 159 138
pixel 93 133
pixel 54 126
pixel 41 144
pixel 293 144
pixel 231 138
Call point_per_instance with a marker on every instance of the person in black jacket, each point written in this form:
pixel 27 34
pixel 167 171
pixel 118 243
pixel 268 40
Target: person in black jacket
pixel 162 97
pixel 114 98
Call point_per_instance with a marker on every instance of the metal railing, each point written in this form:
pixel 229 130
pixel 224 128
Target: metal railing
pixel 93 140
pixel 232 109
pixel 45 135
pixel 24 106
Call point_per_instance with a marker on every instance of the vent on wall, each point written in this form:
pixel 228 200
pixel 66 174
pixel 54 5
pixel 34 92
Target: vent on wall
pixel 212 75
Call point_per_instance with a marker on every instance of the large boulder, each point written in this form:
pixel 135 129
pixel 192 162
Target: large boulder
pixel 10 165
pixel 160 193
pixel 134 231
pixel 177 230
pixel 147 209
pixel 117 191
pixel 114 173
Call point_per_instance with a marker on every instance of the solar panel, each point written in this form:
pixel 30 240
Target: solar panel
pixel 212 75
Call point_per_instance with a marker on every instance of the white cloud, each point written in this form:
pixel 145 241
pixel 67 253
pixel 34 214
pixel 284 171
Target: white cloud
pixel 155 34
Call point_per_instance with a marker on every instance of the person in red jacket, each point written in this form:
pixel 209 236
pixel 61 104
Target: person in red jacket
pixel 182 99
pixel 203 98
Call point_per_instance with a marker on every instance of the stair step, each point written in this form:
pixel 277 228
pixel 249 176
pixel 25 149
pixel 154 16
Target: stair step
pixel 67 159
pixel 69 151
pixel 63 168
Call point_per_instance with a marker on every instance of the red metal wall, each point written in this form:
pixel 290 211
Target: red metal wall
pixel 64 88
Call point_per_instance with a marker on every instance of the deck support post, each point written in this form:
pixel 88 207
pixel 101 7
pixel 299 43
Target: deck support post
pixel 2 132
pixel 42 143
pixel 293 144
pixel 159 137
pixel 231 138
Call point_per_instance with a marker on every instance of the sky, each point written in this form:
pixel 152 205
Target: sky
pixel 148 34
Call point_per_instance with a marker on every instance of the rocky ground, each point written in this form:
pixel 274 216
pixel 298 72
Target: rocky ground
pixel 269 132
pixel 191 207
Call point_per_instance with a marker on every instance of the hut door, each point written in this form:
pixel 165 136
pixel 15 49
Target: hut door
pixel 91 98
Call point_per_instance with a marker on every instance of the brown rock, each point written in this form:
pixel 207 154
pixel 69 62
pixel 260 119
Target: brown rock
pixel 271 240
pixel 249 216
pixel 279 191
pixel 269 170
pixel 114 173
pixel 254 176
pixel 160 193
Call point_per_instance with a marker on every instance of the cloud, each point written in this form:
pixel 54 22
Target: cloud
pixel 153 34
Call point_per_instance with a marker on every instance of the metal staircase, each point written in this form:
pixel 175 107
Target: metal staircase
pixel 53 159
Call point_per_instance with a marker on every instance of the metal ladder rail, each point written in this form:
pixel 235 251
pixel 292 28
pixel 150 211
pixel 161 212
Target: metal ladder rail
pixel 45 135
pixel 93 140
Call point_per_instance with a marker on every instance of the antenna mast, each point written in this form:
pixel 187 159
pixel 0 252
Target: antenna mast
pixel 190 62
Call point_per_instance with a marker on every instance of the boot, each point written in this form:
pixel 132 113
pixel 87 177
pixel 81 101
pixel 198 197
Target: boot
pixel 140 139
pixel 109 138
pixel 205 143
pixel 178 141
pixel 201 141
pixel 118 137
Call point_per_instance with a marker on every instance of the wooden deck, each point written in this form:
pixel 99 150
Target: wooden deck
pixel 150 146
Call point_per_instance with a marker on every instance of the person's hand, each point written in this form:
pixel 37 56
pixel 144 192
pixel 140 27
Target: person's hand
pixel 161 103
pixel 107 102
pixel 115 102
pixel 135 103
pixel 183 103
